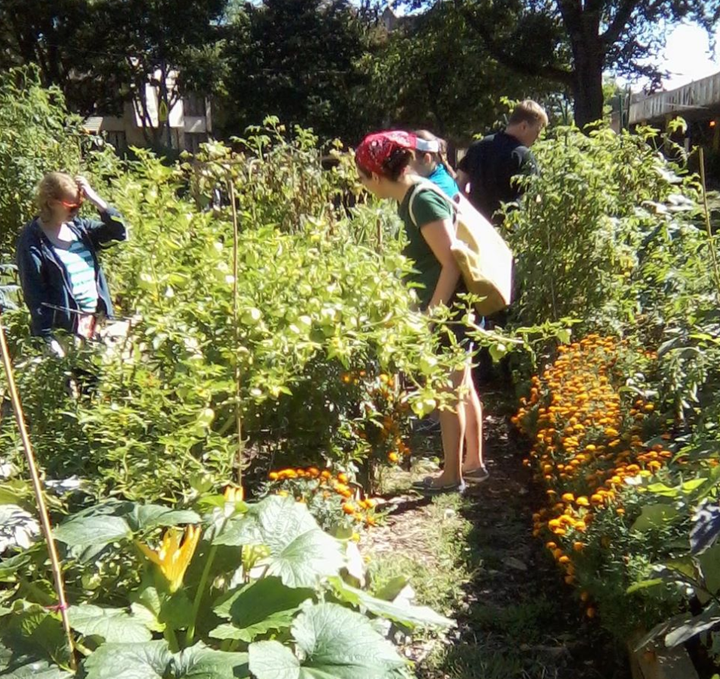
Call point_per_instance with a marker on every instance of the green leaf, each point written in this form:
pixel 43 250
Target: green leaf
pixel 92 531
pixel 149 660
pixel 306 558
pixel 335 642
pixel 261 606
pixel 644 584
pixel 686 627
pixel 200 662
pixel 36 632
pixel 227 631
pixel 404 613
pixel 10 566
pixel 115 625
pixel 272 660
pixel 709 562
pixel 16 665
pixel 662 490
pixel 390 590
pixel 144 517
pixel 654 516
pixel 38 669
pixel 240 530
pixel 693 484
pixel 300 552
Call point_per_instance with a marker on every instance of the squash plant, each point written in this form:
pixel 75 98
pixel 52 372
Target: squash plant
pixel 222 590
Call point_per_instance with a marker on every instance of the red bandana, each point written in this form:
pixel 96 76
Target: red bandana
pixel 376 148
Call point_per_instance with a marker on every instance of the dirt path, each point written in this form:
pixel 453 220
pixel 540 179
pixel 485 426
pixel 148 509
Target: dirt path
pixel 475 558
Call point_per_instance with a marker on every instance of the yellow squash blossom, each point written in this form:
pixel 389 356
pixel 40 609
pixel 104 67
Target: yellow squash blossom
pixel 233 494
pixel 175 553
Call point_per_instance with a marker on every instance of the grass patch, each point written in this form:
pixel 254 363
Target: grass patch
pixel 437 576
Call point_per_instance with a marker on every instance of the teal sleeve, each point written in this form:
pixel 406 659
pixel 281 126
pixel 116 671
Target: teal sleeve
pixel 429 207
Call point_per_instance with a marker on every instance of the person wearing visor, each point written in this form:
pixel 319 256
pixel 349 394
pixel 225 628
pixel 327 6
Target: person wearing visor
pixel 430 162
pixel 62 281
pixel 384 166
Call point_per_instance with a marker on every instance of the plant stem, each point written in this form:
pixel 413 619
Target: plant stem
pixel 171 638
pixel 190 636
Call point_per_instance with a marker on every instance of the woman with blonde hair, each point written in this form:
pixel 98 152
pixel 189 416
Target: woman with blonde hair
pixel 384 162
pixel 57 256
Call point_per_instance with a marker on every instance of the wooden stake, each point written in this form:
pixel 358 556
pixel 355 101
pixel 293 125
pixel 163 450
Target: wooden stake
pixel 236 331
pixel 708 228
pixel 39 497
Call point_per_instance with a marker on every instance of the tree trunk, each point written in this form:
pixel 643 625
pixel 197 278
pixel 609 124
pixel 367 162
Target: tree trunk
pixel 589 60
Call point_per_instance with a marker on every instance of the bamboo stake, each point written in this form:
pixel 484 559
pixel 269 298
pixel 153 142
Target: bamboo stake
pixel 39 498
pixel 236 331
pixel 708 227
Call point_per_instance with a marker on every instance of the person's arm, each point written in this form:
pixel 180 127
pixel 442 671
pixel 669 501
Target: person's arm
pixel 527 165
pixel 464 168
pixel 34 290
pixel 439 236
pixel 463 182
pixel 111 226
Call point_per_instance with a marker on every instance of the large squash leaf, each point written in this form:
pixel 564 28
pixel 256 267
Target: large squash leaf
pixel 300 551
pixel 259 607
pixel 200 662
pixel 115 625
pixel 149 660
pixel 14 665
pixel 333 642
pixel 403 613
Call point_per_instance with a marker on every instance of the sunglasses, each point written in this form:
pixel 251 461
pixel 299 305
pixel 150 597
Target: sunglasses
pixel 73 206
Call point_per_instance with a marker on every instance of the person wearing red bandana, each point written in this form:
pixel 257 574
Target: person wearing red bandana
pixel 383 161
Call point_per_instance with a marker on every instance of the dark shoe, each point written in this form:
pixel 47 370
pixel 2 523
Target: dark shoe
pixel 428 487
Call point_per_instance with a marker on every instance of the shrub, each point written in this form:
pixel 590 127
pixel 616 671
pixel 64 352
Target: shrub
pixel 38 135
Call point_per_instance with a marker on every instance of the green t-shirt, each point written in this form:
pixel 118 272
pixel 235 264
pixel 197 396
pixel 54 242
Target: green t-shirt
pixel 427 207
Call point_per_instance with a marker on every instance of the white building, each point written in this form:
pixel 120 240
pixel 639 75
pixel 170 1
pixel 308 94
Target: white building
pixel 190 121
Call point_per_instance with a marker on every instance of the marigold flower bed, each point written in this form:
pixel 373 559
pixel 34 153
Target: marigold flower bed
pixel 332 499
pixel 589 453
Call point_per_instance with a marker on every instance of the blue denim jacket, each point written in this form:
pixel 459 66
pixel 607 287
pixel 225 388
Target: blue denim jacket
pixel 44 279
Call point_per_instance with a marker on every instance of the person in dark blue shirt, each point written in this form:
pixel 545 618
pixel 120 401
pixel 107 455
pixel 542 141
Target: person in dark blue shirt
pixel 486 171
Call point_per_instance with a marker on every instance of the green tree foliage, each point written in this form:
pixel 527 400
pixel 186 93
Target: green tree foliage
pixel 36 136
pixel 42 33
pixel 573 43
pixel 297 60
pixel 432 72
pixel 102 54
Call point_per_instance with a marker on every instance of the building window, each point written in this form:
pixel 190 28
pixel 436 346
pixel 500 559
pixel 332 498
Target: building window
pixel 118 140
pixel 194 106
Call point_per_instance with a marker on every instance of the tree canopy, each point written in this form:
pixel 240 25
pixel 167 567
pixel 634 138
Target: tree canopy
pixel 572 42
pixel 333 65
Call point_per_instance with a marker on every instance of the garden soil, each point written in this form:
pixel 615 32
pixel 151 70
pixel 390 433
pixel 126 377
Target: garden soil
pixel 516 618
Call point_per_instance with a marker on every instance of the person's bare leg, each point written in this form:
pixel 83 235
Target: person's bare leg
pixel 473 424
pixel 452 427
